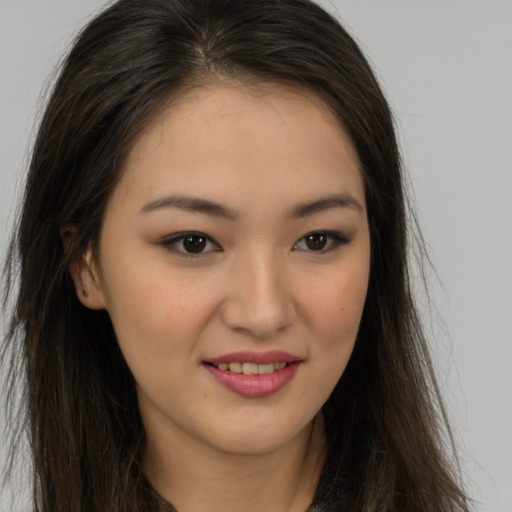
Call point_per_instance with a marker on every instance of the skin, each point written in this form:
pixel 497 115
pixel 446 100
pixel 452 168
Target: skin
pixel 260 152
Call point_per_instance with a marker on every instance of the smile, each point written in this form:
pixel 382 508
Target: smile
pixel 251 368
pixel 254 374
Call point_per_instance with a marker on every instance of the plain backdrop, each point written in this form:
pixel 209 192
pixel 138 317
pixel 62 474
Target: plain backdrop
pixel 446 66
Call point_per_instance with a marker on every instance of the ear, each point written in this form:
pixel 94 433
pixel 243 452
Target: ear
pixel 83 270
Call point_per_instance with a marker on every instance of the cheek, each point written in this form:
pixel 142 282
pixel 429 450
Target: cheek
pixel 157 331
pixel 158 315
pixel 334 314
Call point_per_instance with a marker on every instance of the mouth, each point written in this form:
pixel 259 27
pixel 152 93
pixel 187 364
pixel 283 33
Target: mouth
pixel 252 374
pixel 249 368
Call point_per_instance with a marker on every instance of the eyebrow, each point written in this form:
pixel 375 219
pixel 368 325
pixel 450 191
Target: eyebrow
pixel 208 207
pixel 326 203
pixel 191 204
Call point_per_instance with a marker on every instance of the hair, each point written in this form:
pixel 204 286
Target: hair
pixel 389 447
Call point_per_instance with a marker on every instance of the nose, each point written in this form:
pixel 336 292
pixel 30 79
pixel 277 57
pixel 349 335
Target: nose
pixel 259 299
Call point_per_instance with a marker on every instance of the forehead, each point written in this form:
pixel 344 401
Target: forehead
pixel 243 137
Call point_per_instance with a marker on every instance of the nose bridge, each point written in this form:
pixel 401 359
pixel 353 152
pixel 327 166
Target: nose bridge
pixel 259 299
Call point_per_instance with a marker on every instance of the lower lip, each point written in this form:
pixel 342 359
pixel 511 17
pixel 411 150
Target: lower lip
pixel 254 386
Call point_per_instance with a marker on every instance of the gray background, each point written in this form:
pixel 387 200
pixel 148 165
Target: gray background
pixel 446 66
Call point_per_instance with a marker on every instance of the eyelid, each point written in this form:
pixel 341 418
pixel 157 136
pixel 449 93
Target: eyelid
pixel 337 240
pixel 170 244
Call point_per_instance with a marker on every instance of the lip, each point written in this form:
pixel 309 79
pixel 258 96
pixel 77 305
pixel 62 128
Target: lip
pixel 272 356
pixel 254 386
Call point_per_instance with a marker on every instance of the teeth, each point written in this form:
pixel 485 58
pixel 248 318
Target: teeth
pixel 251 368
pixel 265 368
pixel 235 367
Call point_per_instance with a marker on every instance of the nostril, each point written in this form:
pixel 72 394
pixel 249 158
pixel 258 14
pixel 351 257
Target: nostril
pixel 260 321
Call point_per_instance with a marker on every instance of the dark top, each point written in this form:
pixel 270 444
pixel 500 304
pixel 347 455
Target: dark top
pixel 328 497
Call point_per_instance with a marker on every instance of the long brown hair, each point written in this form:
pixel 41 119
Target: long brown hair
pixel 385 425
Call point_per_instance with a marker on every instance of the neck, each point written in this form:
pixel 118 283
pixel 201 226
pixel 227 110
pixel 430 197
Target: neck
pixel 282 480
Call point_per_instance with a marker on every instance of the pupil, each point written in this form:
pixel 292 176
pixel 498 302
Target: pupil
pixel 194 244
pixel 316 241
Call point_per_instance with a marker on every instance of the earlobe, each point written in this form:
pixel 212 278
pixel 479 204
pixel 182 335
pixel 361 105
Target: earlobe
pixel 83 271
pixel 88 285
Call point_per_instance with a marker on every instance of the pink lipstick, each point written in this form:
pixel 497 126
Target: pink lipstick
pixel 253 374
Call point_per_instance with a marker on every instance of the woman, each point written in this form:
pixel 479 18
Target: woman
pixel 214 307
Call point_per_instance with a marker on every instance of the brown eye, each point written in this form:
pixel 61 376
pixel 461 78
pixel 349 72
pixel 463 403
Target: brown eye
pixel 320 241
pixel 194 244
pixel 191 244
pixel 316 241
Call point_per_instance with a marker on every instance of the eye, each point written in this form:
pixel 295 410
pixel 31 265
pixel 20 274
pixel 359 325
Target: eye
pixel 320 241
pixel 190 244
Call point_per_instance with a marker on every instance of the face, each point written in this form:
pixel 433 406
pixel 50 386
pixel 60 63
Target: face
pixel 233 262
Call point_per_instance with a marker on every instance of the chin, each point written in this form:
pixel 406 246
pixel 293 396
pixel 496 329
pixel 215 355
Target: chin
pixel 257 438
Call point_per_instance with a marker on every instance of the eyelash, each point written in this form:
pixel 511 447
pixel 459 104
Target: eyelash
pixel 334 240
pixel 171 244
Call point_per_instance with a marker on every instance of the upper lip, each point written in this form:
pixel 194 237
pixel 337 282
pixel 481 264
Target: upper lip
pixel 273 356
